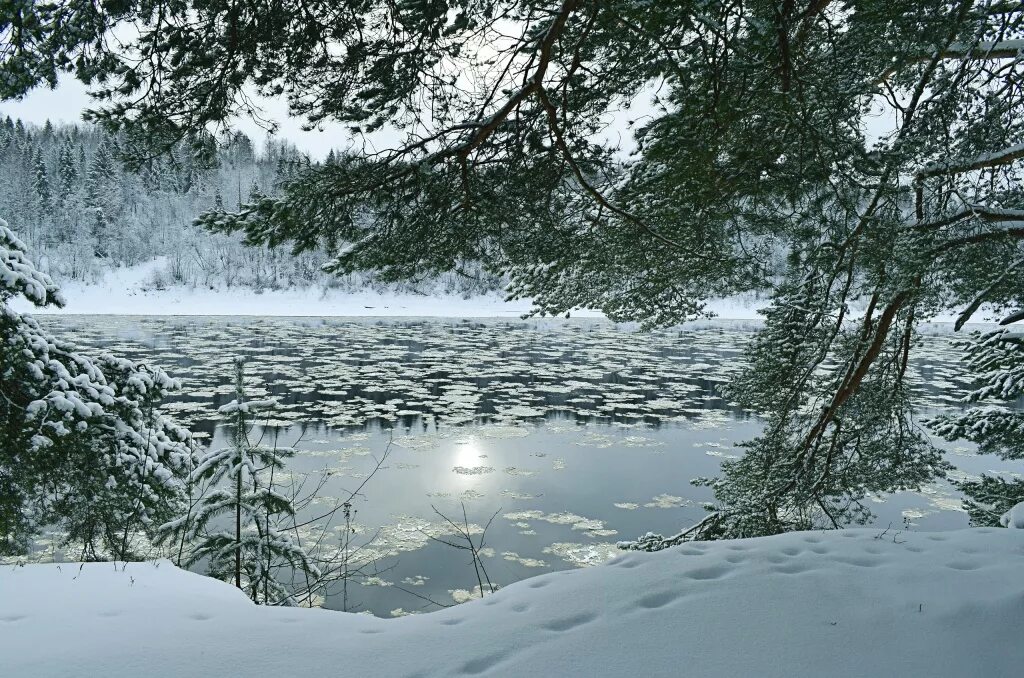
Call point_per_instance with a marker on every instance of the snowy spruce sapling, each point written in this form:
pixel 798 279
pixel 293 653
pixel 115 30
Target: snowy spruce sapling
pixel 84 448
pixel 238 526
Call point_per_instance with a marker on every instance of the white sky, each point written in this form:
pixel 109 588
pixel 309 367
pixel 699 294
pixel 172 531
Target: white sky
pixel 66 103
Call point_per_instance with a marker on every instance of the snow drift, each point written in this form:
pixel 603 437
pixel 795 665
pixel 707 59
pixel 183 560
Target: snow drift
pixel 848 603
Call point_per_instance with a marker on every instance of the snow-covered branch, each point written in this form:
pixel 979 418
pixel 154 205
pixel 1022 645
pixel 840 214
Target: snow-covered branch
pixel 983 161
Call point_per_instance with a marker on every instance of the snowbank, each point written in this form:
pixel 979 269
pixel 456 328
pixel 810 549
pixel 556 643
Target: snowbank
pixel 130 291
pixel 1014 518
pixel 851 603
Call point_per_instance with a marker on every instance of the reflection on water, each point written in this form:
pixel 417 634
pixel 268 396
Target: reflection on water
pixel 576 432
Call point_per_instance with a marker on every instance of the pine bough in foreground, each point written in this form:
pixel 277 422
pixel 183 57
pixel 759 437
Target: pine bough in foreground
pixel 83 447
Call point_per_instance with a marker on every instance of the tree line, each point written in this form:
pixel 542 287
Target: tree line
pixel 83 211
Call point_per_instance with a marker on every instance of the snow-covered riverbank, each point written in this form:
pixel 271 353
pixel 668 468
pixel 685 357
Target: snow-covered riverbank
pixel 131 291
pixel 848 603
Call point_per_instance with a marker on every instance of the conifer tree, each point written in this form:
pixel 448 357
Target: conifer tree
pixel 67 170
pixel 101 175
pixel 238 526
pixel 993 423
pixel 41 185
pixel 83 446
pixel 100 232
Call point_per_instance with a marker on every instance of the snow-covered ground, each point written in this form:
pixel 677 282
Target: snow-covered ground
pixel 130 291
pixel 846 603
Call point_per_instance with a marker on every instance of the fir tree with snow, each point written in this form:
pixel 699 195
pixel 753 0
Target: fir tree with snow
pixel 84 447
pixel 992 422
pixel 41 185
pixel 239 526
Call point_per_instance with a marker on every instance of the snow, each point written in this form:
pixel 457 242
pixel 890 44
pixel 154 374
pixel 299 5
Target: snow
pixel 846 603
pixel 1014 518
pixel 129 291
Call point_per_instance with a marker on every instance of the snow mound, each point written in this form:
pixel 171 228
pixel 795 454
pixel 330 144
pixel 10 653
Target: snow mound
pixel 1014 518
pixel 849 603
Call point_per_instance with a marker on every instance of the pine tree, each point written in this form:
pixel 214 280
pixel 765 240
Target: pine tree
pixel 239 525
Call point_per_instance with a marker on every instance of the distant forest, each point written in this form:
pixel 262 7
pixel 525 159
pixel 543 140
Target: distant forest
pixel 82 212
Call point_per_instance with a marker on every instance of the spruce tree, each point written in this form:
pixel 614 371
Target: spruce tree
pixel 41 185
pixel 100 232
pixel 67 170
pixel 83 446
pixel 993 422
pixel 239 526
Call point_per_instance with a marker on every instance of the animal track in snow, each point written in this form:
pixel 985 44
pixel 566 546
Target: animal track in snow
pixel 712 572
pixel 858 561
pixel 792 568
pixel 481 664
pixel 965 565
pixel 656 600
pixel 560 625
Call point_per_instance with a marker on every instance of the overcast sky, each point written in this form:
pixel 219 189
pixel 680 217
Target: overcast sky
pixel 66 103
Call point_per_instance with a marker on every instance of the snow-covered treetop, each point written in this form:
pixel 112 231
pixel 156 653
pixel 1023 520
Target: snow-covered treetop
pixel 19 276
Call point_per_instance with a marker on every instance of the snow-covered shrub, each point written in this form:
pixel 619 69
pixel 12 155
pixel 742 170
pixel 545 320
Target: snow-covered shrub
pixel 1014 518
pixel 83 447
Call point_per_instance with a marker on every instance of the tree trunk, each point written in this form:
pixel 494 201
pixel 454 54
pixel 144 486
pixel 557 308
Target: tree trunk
pixel 238 528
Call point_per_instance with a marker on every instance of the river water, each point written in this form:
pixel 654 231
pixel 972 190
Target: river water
pixel 572 434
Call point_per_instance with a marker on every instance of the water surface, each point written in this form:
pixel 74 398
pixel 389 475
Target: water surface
pixel 574 433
